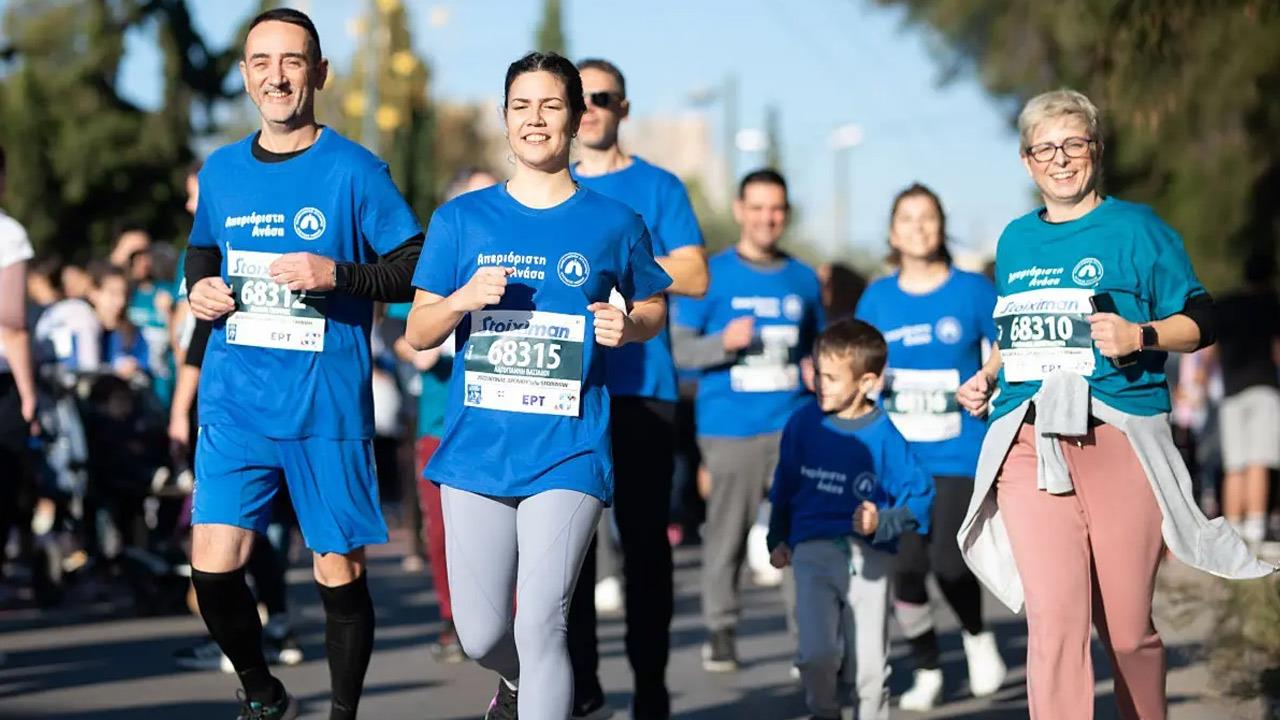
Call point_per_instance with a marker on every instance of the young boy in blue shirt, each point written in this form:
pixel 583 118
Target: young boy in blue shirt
pixel 847 485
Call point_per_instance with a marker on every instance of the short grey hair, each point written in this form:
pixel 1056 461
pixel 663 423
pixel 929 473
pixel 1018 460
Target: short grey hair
pixel 1056 104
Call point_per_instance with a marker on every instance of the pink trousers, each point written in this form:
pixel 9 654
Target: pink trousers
pixel 1086 558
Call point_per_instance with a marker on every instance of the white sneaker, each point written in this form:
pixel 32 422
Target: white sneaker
pixel 609 596
pixel 986 668
pixel 925 692
pixel 763 573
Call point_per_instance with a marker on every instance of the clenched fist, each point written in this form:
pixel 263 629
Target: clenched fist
pixel 610 324
pixel 304 271
pixel 1114 336
pixel 738 333
pixel 210 299
pixel 866 518
pixel 974 394
pixel 486 287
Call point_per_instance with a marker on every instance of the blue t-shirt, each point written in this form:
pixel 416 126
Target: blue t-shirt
pixel 755 392
pixel 646 369
pixel 293 365
pixel 825 472
pixel 528 409
pixel 1045 273
pixel 935 344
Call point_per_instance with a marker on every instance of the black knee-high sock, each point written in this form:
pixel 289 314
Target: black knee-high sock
pixel 231 614
pixel 348 640
pixel 925 650
pixel 268 576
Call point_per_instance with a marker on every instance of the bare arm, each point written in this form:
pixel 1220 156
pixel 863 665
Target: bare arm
pixel 14 336
pixel 687 267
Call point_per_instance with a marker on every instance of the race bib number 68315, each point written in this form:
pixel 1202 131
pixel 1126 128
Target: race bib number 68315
pixel 525 361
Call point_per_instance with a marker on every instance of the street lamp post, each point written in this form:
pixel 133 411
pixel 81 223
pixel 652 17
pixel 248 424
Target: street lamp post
pixel 842 142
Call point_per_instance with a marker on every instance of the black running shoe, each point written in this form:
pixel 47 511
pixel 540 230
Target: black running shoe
pixel 503 704
pixel 720 653
pixel 285 709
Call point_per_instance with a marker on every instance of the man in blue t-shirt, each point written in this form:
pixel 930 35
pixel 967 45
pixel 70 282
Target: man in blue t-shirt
pixel 298 231
pixel 749 337
pixel 641 378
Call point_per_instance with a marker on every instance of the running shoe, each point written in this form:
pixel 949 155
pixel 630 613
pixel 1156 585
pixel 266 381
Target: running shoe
pixel 720 653
pixel 925 692
pixel 986 668
pixel 203 656
pixel 609 596
pixel 503 705
pixel 286 709
pixel 594 708
pixel 281 645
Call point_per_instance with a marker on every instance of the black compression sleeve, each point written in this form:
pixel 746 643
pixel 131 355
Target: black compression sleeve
pixel 1201 310
pixel 202 262
pixel 199 340
pixel 388 280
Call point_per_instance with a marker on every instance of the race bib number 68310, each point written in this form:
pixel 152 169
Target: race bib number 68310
pixel 1043 331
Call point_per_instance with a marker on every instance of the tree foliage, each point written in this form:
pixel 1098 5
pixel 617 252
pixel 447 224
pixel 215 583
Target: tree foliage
pixel 1189 91
pixel 550 34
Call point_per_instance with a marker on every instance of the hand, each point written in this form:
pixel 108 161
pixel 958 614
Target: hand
pixel 866 518
pixel 125 367
pixel 781 556
pixel 210 299
pixel 29 406
pixel 1114 336
pixel 737 335
pixel 304 271
pixel 180 429
pixel 974 394
pixel 611 324
pixel 486 287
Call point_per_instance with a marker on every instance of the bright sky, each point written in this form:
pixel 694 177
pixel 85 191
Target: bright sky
pixel 823 63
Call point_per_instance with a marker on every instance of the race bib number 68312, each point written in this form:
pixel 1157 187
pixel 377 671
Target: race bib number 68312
pixel 269 314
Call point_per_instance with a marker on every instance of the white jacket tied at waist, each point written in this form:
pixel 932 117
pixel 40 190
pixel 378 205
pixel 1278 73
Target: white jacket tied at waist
pixel 1063 406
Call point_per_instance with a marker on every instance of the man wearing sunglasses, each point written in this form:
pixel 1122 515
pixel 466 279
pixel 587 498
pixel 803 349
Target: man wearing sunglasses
pixel 642 383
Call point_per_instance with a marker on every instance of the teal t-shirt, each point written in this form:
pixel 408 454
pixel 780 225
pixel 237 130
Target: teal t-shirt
pixel 1045 274
pixel 433 395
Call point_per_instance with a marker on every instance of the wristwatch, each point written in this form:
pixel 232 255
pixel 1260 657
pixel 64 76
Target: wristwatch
pixel 1150 338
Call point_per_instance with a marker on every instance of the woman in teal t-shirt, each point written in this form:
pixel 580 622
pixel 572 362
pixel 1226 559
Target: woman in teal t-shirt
pixel 1092 293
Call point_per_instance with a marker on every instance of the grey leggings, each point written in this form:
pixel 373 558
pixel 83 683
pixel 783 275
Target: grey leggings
pixel 530 550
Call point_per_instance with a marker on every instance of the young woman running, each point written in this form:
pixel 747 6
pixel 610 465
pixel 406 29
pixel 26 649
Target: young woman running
pixel 523 272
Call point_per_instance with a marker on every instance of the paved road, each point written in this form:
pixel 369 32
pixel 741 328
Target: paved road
pixel 100 663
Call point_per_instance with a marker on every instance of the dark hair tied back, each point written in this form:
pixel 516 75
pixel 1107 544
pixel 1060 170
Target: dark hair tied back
pixel 555 64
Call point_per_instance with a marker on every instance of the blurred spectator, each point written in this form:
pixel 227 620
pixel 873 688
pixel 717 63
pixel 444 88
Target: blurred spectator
pixel 841 288
pixel 150 304
pixel 1248 345
pixel 66 330
pixel 124 349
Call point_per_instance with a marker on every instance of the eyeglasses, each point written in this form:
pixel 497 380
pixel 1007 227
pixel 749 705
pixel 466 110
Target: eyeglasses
pixel 604 99
pixel 1072 147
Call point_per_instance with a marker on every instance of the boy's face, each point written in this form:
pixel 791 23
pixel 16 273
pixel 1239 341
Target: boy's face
pixel 838 388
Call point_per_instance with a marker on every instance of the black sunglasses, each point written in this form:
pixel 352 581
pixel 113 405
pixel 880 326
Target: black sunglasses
pixel 604 99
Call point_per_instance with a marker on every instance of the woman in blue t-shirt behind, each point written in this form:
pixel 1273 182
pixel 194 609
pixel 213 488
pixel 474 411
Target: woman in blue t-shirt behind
pixel 936 320
pixel 523 272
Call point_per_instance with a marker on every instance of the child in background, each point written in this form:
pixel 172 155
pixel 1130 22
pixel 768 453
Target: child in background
pixel 846 487
pixel 124 350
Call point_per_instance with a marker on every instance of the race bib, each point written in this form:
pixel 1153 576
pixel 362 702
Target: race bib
pixel 922 403
pixel 267 314
pixel 525 361
pixel 768 365
pixel 1043 331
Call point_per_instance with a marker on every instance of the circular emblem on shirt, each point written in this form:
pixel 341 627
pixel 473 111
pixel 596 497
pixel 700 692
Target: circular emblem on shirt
pixel 864 485
pixel 948 330
pixel 309 223
pixel 573 269
pixel 792 307
pixel 1087 272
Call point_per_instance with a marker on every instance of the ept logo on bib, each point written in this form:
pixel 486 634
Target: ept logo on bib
pixel 309 223
pixel 573 269
pixel 1087 272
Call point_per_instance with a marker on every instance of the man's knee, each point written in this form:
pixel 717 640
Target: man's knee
pixel 220 548
pixel 335 569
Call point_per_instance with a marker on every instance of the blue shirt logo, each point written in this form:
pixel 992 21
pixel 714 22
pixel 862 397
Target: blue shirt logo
pixel 948 330
pixel 1087 272
pixel 573 269
pixel 309 223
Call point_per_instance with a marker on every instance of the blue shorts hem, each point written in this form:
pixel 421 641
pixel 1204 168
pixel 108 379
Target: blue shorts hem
pixel 350 545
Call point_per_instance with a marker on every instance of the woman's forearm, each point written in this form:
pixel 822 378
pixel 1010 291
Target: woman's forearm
pixel 430 321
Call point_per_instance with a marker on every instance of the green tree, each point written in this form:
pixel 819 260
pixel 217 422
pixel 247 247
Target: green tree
pixel 85 161
pixel 1190 93
pixel 550 34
